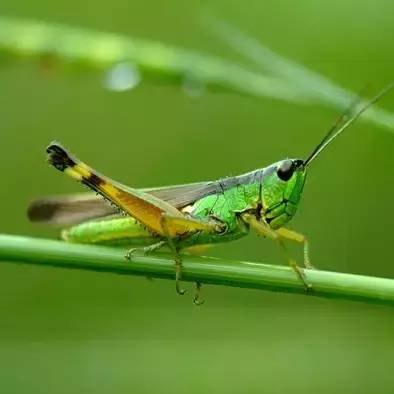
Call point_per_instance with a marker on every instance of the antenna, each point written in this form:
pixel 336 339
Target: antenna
pixel 344 121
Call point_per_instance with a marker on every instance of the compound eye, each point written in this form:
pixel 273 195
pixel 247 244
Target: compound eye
pixel 285 170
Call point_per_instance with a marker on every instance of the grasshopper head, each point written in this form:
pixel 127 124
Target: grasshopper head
pixel 282 182
pixel 281 191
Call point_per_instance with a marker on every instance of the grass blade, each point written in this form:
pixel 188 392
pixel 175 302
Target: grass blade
pixel 317 87
pixel 23 38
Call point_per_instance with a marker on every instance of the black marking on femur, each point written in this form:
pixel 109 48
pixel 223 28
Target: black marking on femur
pixel 94 180
pixel 59 158
pixel 285 170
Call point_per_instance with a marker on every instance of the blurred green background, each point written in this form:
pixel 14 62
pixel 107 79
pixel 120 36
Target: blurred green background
pixel 80 332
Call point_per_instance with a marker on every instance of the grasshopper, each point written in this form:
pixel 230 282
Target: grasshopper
pixel 184 216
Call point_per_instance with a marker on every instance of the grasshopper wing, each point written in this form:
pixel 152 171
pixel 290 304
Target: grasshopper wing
pixel 74 209
pixel 180 196
pixel 68 210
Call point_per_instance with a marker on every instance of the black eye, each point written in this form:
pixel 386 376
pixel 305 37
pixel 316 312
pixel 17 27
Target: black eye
pixel 285 170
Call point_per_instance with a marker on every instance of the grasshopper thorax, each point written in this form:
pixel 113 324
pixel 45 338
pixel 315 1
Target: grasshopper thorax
pixel 281 191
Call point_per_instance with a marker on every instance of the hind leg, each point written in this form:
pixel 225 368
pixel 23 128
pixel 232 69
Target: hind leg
pixel 191 226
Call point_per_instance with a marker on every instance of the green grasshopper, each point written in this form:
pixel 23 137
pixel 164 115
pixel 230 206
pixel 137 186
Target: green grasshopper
pixel 184 216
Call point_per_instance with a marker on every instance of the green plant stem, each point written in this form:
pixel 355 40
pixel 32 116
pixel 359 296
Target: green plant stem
pixel 207 270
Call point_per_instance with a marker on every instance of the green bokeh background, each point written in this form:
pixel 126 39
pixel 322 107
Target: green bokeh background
pixel 80 332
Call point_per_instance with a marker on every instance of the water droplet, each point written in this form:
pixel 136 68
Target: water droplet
pixel 193 86
pixel 122 77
